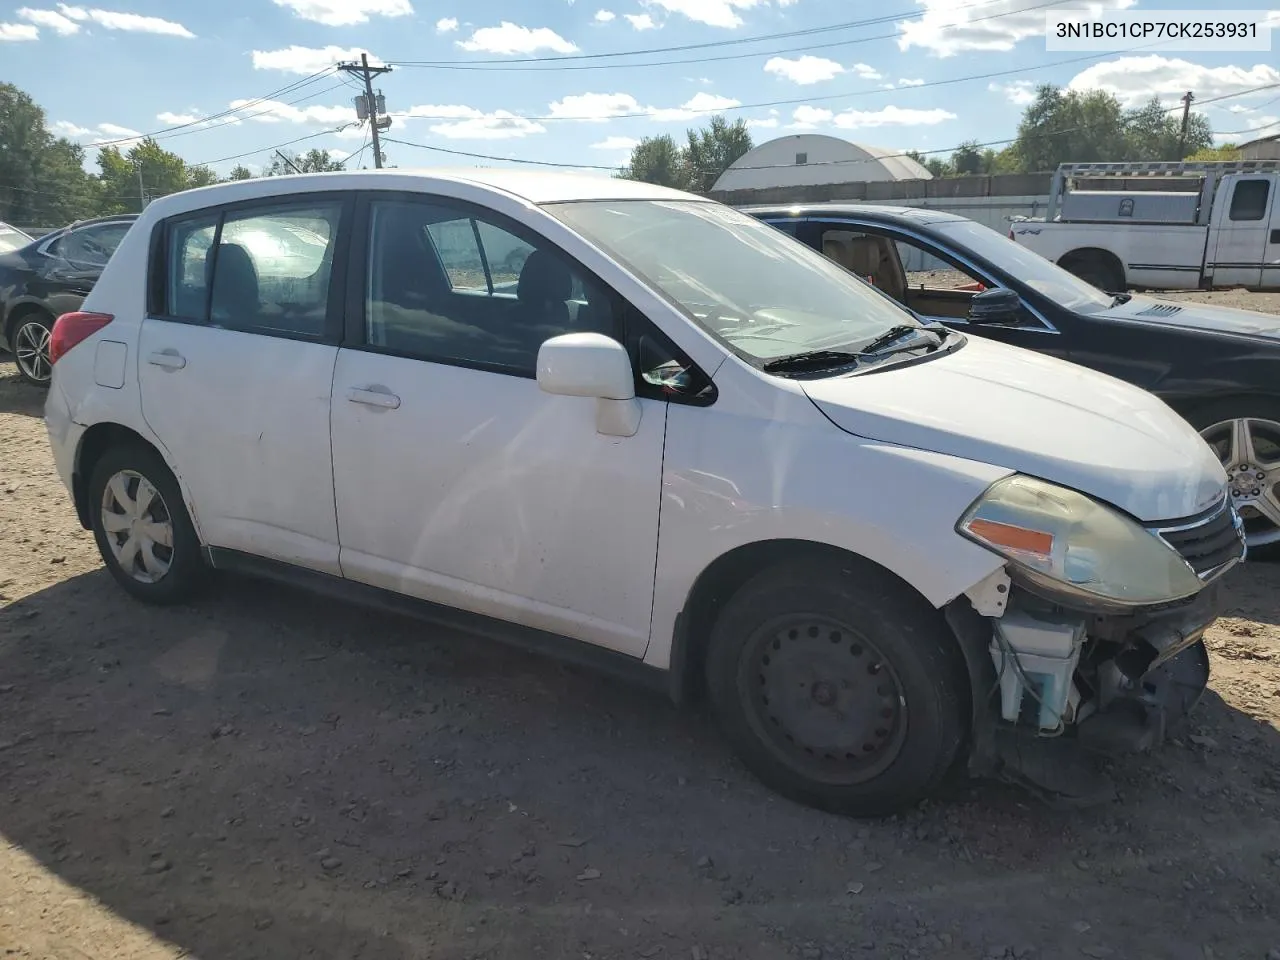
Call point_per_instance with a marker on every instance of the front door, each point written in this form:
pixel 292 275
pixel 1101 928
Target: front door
pixel 458 480
pixel 1247 228
pixel 235 366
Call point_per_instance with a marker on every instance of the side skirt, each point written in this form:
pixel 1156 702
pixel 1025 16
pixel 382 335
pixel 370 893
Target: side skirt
pixel 597 659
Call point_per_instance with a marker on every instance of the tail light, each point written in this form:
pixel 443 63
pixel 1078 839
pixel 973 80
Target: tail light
pixel 71 328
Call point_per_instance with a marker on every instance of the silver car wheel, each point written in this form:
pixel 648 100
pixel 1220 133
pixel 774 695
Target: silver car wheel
pixel 1249 449
pixel 138 526
pixel 31 350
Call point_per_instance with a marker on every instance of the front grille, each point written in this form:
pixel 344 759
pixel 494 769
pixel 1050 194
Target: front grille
pixel 1208 543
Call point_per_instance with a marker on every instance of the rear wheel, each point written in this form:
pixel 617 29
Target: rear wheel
pixel 1096 271
pixel 30 340
pixel 142 528
pixel 1245 435
pixel 838 688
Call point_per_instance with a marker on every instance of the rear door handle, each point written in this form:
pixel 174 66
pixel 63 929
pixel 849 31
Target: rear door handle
pixel 374 396
pixel 170 359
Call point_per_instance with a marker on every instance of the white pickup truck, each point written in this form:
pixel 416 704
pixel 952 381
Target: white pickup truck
pixel 1162 226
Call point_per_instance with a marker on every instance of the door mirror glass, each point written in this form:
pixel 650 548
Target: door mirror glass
pixel 586 365
pixel 995 307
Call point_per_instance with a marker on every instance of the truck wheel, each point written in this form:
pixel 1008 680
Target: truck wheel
pixel 1245 434
pixel 142 528
pixel 838 688
pixel 1096 271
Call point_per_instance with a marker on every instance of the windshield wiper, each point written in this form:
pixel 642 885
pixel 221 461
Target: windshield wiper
pixel 881 345
pixel 812 360
pixel 1121 298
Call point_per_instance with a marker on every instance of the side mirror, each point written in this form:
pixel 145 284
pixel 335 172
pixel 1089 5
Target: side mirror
pixel 594 366
pixel 998 307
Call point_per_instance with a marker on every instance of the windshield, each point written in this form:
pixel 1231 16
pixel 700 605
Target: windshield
pixel 11 239
pixel 1042 276
pixel 758 290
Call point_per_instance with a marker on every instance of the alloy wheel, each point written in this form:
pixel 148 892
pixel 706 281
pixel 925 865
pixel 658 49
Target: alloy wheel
pixel 138 526
pixel 1249 449
pixel 824 699
pixel 31 351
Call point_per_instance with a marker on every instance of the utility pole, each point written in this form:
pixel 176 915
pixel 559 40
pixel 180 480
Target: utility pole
pixel 142 190
pixel 368 106
pixel 1186 121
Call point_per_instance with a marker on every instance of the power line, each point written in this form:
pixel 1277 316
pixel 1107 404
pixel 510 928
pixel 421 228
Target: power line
pixel 500 64
pixel 771 166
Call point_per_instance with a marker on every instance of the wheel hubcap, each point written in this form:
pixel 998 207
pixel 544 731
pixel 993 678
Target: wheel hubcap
pixel 1250 453
pixel 138 526
pixel 824 699
pixel 31 350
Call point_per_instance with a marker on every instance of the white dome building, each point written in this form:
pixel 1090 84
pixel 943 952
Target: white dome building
pixel 813 158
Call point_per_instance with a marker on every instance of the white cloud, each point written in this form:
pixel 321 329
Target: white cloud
pixel 616 143
pixel 1134 80
pixel 345 13
pixel 100 134
pixel 803 70
pixel 604 16
pixel 598 107
pixel 306 60
pixel 807 117
pixel 170 119
pixel 910 83
pixel 127 22
pixel 448 111
pixel 714 13
pixel 1019 92
pixel 17 32
pixel 699 105
pixel 641 21
pixel 65 128
pixel 499 125
pixel 945 29
pixel 767 123
pixel 865 71
pixel 274 111
pixel 57 22
pixel 512 38
pixel 1240 108
pixel 115 130
pixel 446 25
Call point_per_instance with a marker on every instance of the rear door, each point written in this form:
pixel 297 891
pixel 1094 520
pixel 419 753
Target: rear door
pixel 236 363
pixel 1246 232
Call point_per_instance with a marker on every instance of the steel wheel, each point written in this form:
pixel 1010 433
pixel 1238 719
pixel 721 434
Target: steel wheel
pixel 31 350
pixel 138 526
pixel 1249 449
pixel 824 699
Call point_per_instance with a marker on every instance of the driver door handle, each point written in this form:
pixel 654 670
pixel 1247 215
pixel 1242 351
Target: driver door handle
pixel 169 359
pixel 374 396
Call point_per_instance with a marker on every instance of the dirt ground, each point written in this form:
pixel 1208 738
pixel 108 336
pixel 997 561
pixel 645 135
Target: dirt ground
pixel 265 774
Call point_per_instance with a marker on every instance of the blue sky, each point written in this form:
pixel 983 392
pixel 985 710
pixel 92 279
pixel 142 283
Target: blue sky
pixel 139 66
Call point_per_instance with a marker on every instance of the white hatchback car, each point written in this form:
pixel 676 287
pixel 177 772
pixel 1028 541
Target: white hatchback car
pixel 641 428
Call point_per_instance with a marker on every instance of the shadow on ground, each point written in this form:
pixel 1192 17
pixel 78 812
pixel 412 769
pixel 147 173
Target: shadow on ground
pixel 16 395
pixel 267 774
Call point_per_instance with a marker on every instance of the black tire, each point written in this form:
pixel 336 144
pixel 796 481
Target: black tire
pixel 875 631
pixel 186 568
pixel 26 333
pixel 1206 416
pixel 1095 271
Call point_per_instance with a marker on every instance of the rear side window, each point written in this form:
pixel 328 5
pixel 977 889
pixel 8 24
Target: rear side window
pixel 1249 201
pixel 263 270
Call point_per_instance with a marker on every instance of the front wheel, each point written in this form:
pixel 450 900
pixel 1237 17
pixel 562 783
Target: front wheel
pixel 141 525
pixel 1245 434
pixel 838 687
pixel 30 342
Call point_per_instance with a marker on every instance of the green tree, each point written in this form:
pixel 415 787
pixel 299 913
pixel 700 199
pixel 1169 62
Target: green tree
pixel 240 172
pixel 42 177
pixel 657 160
pixel 1070 126
pixel 712 150
pixel 1228 151
pixel 148 167
pixel 313 161
pixel 968 159
pixel 1153 133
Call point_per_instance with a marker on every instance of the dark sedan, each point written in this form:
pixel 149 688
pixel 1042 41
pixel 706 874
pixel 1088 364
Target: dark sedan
pixel 45 278
pixel 1218 367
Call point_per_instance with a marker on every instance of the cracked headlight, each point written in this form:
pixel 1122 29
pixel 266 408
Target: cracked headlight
pixel 1072 548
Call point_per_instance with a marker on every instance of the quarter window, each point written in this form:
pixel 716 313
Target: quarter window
pixel 454 288
pixel 92 246
pixel 1249 200
pixel 189 243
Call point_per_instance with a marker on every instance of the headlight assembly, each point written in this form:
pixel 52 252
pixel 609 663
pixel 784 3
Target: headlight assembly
pixel 1072 547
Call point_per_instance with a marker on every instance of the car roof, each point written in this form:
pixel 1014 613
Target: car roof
pixel 914 215
pixel 533 186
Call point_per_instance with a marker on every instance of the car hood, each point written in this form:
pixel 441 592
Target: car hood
pixel 1036 415
pixel 1196 316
